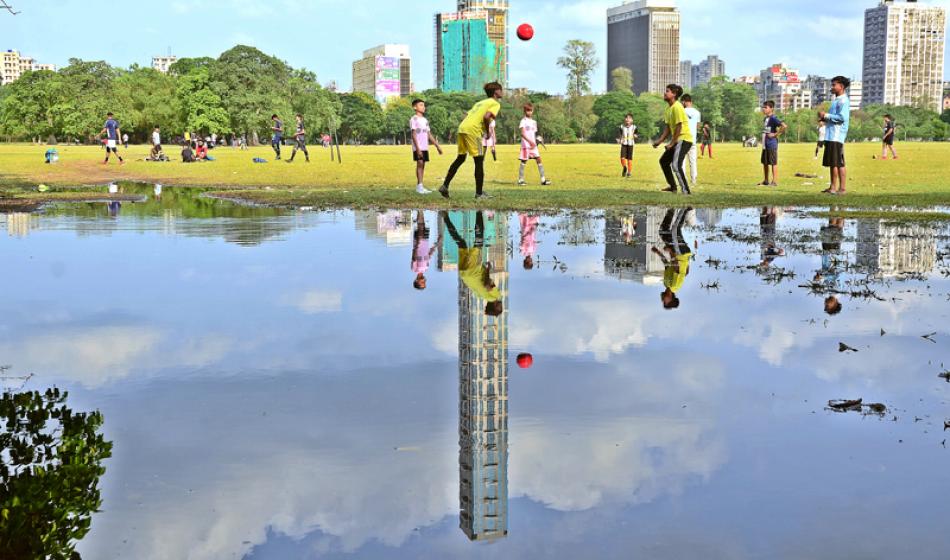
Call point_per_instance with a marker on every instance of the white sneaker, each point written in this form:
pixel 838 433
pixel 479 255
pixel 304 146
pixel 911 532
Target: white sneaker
pixel 521 182
pixel 422 190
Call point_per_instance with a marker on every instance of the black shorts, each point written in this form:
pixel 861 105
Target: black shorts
pixel 770 156
pixel 889 141
pixel 416 157
pixel 821 143
pixel 626 152
pixel 834 154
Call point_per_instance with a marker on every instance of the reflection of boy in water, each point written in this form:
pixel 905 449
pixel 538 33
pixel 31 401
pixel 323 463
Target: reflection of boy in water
pixel 529 245
pixel 473 271
pixel 421 253
pixel 768 218
pixel 676 255
pixel 829 275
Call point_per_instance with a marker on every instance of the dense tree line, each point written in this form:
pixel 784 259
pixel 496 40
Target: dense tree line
pixel 236 93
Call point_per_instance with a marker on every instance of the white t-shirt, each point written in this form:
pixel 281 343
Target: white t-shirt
pixel 156 139
pixel 529 128
pixel 420 131
pixel 489 140
pixel 694 117
pixel 821 133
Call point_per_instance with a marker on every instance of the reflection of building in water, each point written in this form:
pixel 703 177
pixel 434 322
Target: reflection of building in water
pixel 629 238
pixel 483 395
pixel 393 227
pixel 20 224
pixel 890 250
pixel 709 217
pixel 578 228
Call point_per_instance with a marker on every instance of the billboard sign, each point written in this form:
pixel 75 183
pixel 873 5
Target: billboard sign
pixel 387 78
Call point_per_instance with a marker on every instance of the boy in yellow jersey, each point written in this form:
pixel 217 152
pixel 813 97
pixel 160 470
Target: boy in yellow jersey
pixel 681 140
pixel 675 255
pixel 470 134
pixel 474 272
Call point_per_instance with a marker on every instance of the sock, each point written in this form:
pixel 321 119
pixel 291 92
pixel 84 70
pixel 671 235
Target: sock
pixel 629 166
pixel 541 171
pixel 623 163
pixel 521 171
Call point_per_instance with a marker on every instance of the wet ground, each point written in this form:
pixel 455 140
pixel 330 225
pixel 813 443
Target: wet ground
pixel 276 386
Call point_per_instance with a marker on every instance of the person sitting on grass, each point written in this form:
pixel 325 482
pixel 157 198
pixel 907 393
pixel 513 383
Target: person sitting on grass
pixel 187 156
pixel 156 154
pixel 201 153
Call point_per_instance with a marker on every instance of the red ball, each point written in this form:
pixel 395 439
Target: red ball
pixel 525 361
pixel 525 32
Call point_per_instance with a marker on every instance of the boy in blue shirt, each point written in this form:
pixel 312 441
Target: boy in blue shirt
pixel 278 138
pixel 837 121
pixel 113 132
pixel 771 130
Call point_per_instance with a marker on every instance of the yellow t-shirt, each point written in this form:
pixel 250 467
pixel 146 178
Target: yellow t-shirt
pixel 473 273
pixel 674 276
pixel 676 114
pixel 474 123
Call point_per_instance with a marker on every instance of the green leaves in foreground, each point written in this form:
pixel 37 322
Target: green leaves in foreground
pixel 50 466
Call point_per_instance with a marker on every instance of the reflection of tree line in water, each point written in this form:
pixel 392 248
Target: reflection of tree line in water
pixel 49 474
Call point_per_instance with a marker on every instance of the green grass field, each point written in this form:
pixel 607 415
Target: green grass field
pixel 584 176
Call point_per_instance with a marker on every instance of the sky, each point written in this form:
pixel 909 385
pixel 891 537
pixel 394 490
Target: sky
pixel 325 36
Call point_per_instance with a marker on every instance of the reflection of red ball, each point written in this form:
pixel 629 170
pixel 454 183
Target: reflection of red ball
pixel 525 32
pixel 525 361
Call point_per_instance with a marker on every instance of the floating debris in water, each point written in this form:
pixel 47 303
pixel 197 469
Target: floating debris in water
pixel 857 405
pixel 842 347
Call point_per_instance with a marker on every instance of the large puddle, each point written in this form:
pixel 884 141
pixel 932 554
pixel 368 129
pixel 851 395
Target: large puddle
pixel 276 386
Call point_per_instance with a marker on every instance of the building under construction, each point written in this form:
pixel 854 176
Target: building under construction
pixel 471 46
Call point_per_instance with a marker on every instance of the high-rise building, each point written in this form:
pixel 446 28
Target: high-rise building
pixel 904 45
pixel 483 393
pixel 686 74
pixel 856 94
pixel 163 63
pixel 782 85
pixel 820 88
pixel 471 46
pixel 891 250
pixel 13 65
pixel 383 72
pixel 629 238
pixel 644 36
pixel 705 71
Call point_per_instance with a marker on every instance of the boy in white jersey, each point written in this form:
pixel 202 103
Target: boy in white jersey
pixel 421 138
pixel 628 137
pixel 529 145
pixel 695 118
pixel 490 140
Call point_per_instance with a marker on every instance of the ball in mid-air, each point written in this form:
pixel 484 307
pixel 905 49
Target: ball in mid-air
pixel 525 361
pixel 525 32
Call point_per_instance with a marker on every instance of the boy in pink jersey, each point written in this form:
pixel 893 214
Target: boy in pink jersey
pixel 421 252
pixel 529 242
pixel 529 145
pixel 421 138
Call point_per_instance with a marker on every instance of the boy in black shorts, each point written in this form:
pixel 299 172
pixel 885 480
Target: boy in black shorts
pixel 889 129
pixel 300 140
pixel 772 129
pixel 628 136
pixel 421 138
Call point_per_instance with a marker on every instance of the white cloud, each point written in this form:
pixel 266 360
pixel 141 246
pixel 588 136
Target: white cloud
pixel 315 302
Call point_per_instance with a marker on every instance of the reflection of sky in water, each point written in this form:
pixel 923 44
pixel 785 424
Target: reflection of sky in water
pixel 276 388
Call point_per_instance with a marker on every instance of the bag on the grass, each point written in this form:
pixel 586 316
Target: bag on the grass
pixel 260 160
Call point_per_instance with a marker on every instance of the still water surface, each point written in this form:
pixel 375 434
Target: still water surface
pixel 276 385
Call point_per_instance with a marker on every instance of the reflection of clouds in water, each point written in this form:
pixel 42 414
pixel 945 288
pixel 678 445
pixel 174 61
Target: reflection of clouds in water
pixel 96 355
pixel 302 454
pixel 314 302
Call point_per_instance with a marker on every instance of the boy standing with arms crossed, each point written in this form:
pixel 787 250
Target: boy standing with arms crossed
pixel 681 140
pixel 837 120
pixel 771 130
pixel 628 137
pixel 529 145
pixel 421 138
pixel 470 134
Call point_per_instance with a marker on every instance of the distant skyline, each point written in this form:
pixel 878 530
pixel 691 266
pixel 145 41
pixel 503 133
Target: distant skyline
pixel 326 36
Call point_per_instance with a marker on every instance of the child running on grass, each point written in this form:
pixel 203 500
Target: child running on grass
pixel 112 130
pixel 771 130
pixel 470 134
pixel 278 134
pixel 681 140
pixel 421 138
pixel 889 130
pixel 628 138
pixel 300 140
pixel 529 145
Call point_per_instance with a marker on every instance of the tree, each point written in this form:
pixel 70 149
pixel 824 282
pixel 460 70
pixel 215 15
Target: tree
pixel 184 66
pixel 86 97
pixel 656 109
pixel 580 60
pixel 580 112
pixel 49 474
pixel 152 101
pixel 729 107
pixel 25 109
pixel 553 122
pixel 5 6
pixel 202 109
pixel 396 116
pixel 612 108
pixel 252 86
pixel 361 118
pixel 621 79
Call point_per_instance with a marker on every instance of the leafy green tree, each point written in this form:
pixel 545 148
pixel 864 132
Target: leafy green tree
pixel 729 107
pixel 361 118
pixel 86 97
pixel 580 60
pixel 152 101
pixel 396 119
pixel 49 474
pixel 319 106
pixel 202 109
pixel 580 113
pixel 612 108
pixel 25 107
pixel 553 122
pixel 656 110
pixel 621 79
pixel 439 121
pixel 252 86
pixel 184 66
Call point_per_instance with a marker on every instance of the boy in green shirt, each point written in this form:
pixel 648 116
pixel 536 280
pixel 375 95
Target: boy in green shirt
pixel 681 140
pixel 470 134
